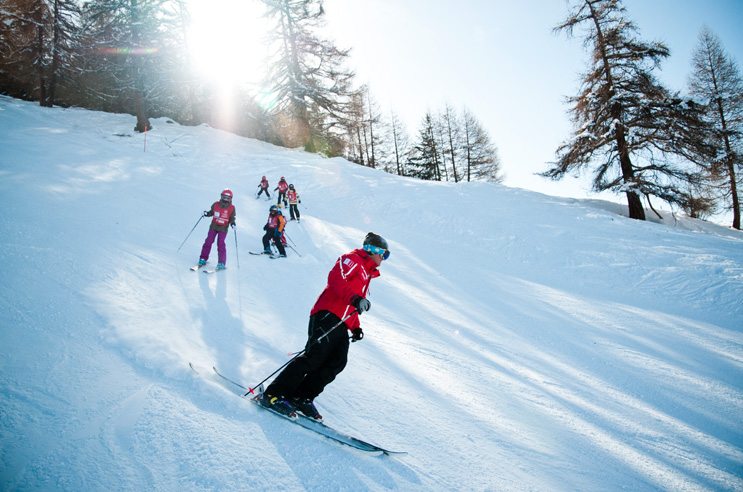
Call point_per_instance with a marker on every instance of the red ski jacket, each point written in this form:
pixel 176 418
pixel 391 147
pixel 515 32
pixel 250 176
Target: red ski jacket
pixel 350 276
pixel 277 221
pixel 282 187
pixel 223 217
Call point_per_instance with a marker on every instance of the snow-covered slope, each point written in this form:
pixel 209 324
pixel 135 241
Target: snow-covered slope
pixel 516 341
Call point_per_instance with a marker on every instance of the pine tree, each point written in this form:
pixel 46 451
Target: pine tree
pixel 450 126
pixel 20 31
pixel 479 153
pixel 119 38
pixel 716 79
pixel 375 125
pixel 306 74
pixel 639 138
pixel 356 115
pixel 37 44
pixel 423 162
pixel 400 142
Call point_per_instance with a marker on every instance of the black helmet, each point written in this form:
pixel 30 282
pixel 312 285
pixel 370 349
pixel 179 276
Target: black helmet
pixel 291 186
pixel 274 209
pixel 375 244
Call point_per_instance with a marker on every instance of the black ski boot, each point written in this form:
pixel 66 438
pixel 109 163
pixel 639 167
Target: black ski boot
pixel 306 408
pixel 278 405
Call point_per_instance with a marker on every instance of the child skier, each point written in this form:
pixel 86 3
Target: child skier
pixel 293 198
pixel 274 230
pixel 282 187
pixel 263 188
pixel 224 215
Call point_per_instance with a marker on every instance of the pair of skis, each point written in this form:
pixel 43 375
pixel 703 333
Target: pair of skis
pixel 253 395
pixel 273 256
pixel 199 267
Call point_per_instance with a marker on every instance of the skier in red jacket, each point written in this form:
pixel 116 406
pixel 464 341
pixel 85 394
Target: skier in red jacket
pixel 263 188
pixel 294 199
pixel 274 230
pixel 326 351
pixel 281 188
pixel 223 213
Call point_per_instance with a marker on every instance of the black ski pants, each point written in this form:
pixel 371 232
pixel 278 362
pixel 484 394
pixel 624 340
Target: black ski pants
pixel 308 374
pixel 294 211
pixel 270 234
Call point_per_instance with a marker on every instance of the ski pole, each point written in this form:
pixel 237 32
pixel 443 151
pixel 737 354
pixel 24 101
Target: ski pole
pixel 310 344
pixel 294 249
pixel 189 234
pixel 237 254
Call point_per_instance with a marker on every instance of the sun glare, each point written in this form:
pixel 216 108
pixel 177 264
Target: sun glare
pixel 227 40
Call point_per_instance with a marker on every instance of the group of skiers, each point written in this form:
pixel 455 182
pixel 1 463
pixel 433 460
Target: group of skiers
pixel 334 319
pixel 223 217
pixel 287 193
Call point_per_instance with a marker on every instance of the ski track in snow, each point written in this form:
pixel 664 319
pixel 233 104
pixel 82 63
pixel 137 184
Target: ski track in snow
pixel 516 341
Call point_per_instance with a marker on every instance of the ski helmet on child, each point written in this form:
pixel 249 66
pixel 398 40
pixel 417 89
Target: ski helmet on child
pixel 227 195
pixel 376 245
pixel 274 209
pixel 291 186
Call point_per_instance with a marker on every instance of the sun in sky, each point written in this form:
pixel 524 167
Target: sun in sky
pixel 227 40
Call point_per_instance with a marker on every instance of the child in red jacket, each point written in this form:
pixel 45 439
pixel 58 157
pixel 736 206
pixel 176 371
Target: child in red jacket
pixel 223 213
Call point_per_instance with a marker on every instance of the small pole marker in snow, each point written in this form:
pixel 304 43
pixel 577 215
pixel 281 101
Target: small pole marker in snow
pixel 145 138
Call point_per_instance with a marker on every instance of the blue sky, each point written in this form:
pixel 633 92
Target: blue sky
pixel 501 60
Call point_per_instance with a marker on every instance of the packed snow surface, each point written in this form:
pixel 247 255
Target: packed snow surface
pixel 516 341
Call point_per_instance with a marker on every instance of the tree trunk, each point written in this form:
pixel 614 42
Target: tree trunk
pixel 143 123
pixel 730 164
pixel 52 94
pixel 734 192
pixel 636 211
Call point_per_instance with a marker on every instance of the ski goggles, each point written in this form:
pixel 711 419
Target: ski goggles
pixel 376 250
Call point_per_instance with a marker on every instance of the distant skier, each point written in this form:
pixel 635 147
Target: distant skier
pixel 224 215
pixel 297 386
pixel 263 188
pixel 274 230
pixel 282 187
pixel 293 198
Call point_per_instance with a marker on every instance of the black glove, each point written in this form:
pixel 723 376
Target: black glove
pixel 357 335
pixel 206 213
pixel 360 304
pixel 233 225
pixel 265 227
